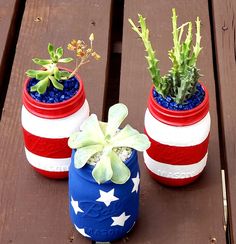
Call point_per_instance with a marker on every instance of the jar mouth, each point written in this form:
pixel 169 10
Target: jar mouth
pixel 54 110
pixel 88 168
pixel 179 117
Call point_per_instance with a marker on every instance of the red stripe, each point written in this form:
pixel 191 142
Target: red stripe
pixel 47 147
pixel 177 155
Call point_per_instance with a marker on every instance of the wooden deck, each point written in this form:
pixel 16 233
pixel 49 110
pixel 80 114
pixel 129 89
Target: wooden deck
pixel 34 209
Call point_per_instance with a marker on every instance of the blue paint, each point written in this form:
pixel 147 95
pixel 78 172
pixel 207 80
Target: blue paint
pixel 53 95
pixel 190 103
pixel 96 218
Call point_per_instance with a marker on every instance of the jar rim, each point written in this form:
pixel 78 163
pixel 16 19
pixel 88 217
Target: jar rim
pixel 179 117
pixel 54 110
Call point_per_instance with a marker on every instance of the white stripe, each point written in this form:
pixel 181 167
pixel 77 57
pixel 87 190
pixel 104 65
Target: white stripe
pixel 54 128
pixel 174 171
pixel 48 164
pixel 177 135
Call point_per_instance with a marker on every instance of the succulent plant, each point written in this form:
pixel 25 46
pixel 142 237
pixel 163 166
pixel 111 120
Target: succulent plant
pixel 100 137
pixel 50 71
pixel 180 82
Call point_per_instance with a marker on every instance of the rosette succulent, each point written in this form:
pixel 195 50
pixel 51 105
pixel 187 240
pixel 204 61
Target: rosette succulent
pixel 180 82
pixel 104 138
pixel 50 73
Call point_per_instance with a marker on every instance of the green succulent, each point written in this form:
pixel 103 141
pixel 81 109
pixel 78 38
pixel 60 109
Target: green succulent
pixel 100 137
pixel 180 82
pixel 50 72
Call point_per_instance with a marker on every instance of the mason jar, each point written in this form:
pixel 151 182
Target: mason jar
pixel 46 129
pixel 103 212
pixel 179 141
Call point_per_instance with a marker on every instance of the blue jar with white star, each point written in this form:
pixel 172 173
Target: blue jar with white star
pixel 104 212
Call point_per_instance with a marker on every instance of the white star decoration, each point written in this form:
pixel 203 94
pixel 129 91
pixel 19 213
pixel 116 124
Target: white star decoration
pixel 120 220
pixel 81 231
pixel 107 197
pixel 136 181
pixel 75 206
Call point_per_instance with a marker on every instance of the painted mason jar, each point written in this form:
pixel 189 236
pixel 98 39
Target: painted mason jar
pixel 103 212
pixel 46 129
pixel 179 141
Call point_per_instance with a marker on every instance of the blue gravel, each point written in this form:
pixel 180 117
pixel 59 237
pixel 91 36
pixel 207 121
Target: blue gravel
pixel 53 95
pixel 190 103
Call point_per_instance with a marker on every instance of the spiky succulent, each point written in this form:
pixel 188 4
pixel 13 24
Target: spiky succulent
pixel 96 136
pixel 50 71
pixel 180 82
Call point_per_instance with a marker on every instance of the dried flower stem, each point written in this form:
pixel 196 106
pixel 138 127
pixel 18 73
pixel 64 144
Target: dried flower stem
pixel 82 52
pixel 82 62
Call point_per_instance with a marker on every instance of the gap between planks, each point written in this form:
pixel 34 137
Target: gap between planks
pixel 223 159
pixel 112 87
pixel 9 51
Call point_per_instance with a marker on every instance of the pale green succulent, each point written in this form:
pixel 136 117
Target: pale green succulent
pixel 180 82
pixel 96 136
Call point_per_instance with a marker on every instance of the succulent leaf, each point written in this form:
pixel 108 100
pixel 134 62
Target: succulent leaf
pixel 57 73
pixel 51 49
pixel 65 60
pixel 129 137
pixel 83 139
pixel 42 75
pixel 64 75
pixel 55 83
pixel 121 172
pixel 84 154
pixel 42 61
pixel 116 116
pixel 103 127
pixel 41 86
pixel 73 141
pixel 102 172
pixel 59 52
pixel 91 125
pixel 32 73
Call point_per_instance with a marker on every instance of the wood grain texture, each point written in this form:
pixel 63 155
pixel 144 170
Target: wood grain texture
pixel 224 16
pixel 192 214
pixel 9 11
pixel 34 209
pixel 6 16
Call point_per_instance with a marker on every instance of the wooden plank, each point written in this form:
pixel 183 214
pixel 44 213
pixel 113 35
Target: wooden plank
pixel 33 208
pixel 192 214
pixel 224 13
pixel 9 11
pixel 6 14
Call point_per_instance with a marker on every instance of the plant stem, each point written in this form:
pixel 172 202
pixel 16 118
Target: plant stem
pixel 83 61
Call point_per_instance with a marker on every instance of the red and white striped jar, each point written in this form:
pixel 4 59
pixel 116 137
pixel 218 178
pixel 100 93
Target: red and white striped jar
pixel 46 129
pixel 179 142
